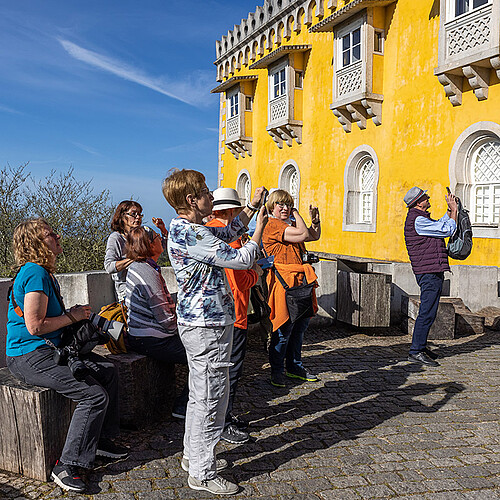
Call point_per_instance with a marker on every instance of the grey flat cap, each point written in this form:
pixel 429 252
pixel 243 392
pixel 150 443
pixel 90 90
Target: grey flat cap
pixel 413 196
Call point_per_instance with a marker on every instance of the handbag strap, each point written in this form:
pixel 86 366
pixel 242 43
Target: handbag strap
pixel 278 275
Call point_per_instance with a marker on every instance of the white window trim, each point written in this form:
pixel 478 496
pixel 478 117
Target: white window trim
pixel 233 93
pixel 461 180
pixel 350 178
pixel 284 176
pixel 360 22
pixel 450 9
pixel 272 71
pixel 382 41
pixel 244 173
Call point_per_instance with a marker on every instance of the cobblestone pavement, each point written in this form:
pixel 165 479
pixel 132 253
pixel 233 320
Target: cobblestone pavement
pixel 375 426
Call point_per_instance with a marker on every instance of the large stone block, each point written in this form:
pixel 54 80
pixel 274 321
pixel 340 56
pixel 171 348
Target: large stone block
pixel 326 293
pixel 444 325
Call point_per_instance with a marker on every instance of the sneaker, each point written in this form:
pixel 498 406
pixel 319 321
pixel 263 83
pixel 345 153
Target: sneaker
pixel 238 421
pixel 232 434
pixel 218 485
pixel 220 464
pixel 278 380
pixel 67 477
pixel 305 376
pixel 106 448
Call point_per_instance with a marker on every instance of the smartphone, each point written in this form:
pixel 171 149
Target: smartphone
pixel 448 189
pixel 266 196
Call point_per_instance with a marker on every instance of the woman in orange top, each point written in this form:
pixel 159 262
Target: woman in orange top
pixel 284 238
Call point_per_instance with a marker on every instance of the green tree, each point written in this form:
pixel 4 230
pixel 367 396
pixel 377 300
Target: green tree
pixel 69 205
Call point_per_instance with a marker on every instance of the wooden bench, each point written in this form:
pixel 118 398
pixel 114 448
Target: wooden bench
pixel 34 420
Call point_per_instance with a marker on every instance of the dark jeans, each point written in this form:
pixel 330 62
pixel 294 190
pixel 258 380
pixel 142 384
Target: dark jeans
pixel 167 350
pixel 96 414
pixel 237 357
pixel 286 343
pixel 430 285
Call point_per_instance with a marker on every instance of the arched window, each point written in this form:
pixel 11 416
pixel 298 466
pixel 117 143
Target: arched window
pixel 290 180
pixel 360 190
pixel 485 169
pixel 244 187
pixel 475 176
pixel 366 178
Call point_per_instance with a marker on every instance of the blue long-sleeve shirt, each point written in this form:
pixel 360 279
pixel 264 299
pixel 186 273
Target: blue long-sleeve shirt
pixel 442 228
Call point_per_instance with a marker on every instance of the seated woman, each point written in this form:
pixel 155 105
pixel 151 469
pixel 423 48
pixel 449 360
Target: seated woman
pixel 128 215
pixel 35 313
pixel 152 322
pixel 284 238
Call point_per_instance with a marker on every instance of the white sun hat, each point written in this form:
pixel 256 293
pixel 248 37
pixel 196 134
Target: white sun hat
pixel 225 198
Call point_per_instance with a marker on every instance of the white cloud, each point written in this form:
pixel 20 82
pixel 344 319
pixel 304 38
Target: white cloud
pixel 85 148
pixel 194 90
pixel 7 109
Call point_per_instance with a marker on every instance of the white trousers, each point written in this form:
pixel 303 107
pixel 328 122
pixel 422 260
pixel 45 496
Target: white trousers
pixel 208 353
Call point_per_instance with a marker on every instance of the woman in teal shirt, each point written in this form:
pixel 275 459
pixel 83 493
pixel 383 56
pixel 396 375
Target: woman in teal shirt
pixel 35 314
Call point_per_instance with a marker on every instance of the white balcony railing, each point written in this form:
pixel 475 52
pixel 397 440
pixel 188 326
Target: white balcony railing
pixel 233 130
pixel 278 110
pixel 469 33
pixel 349 80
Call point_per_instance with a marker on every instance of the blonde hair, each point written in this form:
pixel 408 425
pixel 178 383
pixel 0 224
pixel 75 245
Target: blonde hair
pixel 29 246
pixel 179 184
pixel 279 196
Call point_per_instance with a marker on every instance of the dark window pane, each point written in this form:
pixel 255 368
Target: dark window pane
pixel 461 6
pixel 478 3
pixel 356 36
pixel 346 42
pixel 356 53
pixel 346 58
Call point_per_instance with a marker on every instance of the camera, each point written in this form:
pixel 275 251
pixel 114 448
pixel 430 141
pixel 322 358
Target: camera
pixel 69 356
pixel 113 328
pixel 309 258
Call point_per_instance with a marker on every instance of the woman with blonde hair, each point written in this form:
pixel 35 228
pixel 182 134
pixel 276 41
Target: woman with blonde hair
pixel 284 237
pixel 205 315
pixel 35 314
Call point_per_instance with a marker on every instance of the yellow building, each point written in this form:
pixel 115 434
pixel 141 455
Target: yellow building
pixel 348 104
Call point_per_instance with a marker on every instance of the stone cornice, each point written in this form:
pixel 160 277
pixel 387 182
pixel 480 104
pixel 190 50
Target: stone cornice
pixel 232 81
pixel 342 14
pixel 263 19
pixel 276 54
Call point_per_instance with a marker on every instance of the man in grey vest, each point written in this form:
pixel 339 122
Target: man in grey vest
pixel 424 238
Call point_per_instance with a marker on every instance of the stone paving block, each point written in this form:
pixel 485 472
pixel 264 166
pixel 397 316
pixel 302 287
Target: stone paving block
pixel 375 491
pixel 157 495
pixel 131 486
pixel 312 485
pixel 347 481
pixel 339 495
pixel 482 495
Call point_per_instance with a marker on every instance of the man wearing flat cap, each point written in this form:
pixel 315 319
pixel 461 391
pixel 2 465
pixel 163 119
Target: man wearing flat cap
pixel 424 238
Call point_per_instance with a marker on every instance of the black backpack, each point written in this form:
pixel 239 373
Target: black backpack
pixel 460 244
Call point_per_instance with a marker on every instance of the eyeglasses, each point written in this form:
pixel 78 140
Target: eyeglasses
pixel 135 215
pixel 283 205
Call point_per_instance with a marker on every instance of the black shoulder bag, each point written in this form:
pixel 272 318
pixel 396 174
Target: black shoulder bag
pixel 299 299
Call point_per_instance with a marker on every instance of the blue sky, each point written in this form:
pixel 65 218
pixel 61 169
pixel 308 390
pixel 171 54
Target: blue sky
pixel 120 90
